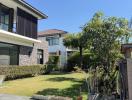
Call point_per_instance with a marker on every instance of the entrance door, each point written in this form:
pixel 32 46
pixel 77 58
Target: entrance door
pixel 40 56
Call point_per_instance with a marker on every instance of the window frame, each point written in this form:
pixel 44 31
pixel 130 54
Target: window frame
pixel 52 41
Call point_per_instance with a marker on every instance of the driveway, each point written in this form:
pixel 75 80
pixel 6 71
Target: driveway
pixel 13 97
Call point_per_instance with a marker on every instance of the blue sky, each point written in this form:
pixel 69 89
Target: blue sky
pixel 70 15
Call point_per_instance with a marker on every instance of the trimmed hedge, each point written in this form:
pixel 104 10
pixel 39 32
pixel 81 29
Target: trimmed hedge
pixel 14 72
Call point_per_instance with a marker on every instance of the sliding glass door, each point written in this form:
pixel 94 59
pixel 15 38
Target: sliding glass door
pixel 8 54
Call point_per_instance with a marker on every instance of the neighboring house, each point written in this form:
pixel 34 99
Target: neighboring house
pixel 56 46
pixel 126 49
pixel 18 34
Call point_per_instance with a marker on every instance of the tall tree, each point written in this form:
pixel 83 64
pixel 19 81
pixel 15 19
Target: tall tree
pixel 75 41
pixel 105 35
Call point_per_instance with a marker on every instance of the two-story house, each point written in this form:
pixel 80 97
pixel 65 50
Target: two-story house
pixel 18 34
pixel 55 41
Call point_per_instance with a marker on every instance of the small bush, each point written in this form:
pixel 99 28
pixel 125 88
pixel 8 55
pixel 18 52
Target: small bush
pixel 101 82
pixel 74 60
pixel 52 63
pixel 14 72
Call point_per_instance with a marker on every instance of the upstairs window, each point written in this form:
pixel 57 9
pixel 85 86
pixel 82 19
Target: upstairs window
pixel 53 40
pixel 4 18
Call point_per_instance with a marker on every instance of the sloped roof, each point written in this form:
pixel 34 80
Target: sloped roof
pixel 30 7
pixel 51 32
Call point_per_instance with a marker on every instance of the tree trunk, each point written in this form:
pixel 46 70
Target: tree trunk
pixel 81 57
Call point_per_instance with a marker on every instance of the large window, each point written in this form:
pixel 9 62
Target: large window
pixel 53 40
pixel 8 54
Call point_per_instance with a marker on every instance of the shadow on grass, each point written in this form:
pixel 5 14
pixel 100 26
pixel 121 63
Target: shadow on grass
pixel 60 79
pixel 73 91
pixel 60 73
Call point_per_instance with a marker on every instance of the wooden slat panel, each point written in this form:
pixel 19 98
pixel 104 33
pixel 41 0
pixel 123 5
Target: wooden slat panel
pixel 26 24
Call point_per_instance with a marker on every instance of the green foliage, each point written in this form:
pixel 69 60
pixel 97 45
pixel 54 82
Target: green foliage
pixel 104 38
pixel 53 60
pixel 14 72
pixel 105 35
pixel 88 60
pixel 76 41
pixel 52 63
pixel 101 83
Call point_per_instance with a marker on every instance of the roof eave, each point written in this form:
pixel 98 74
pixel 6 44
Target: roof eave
pixel 27 5
pixel 50 34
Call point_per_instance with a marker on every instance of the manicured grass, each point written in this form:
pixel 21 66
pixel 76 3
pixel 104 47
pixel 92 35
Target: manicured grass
pixel 54 84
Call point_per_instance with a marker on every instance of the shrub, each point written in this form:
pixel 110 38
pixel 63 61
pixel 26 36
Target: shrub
pixel 52 63
pixel 100 82
pixel 14 72
pixel 74 60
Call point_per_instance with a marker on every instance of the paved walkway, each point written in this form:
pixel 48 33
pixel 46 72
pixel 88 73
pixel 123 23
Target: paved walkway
pixel 13 97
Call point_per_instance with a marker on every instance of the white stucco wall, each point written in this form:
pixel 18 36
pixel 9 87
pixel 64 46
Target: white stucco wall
pixel 56 48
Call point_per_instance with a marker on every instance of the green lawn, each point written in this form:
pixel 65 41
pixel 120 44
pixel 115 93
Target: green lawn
pixel 55 84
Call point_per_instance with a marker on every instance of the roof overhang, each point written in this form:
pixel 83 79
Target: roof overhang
pixel 31 8
pixel 17 39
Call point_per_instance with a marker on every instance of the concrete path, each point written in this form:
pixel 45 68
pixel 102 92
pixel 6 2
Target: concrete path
pixel 13 97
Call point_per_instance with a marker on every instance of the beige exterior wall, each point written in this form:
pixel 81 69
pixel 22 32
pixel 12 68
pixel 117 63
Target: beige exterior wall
pixel 128 53
pixel 129 72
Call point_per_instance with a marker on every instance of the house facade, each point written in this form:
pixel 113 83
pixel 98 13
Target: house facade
pixel 55 37
pixel 18 34
pixel 126 49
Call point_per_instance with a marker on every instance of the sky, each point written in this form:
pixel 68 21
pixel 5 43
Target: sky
pixel 70 15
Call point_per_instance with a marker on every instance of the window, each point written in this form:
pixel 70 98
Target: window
pixel 8 54
pixel 40 56
pixel 53 40
pixel 4 18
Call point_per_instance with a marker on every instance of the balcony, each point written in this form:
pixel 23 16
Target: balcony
pixel 17 27
pixel 5 27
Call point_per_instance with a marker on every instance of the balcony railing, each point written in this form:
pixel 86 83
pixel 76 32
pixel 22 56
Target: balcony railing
pixel 5 27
